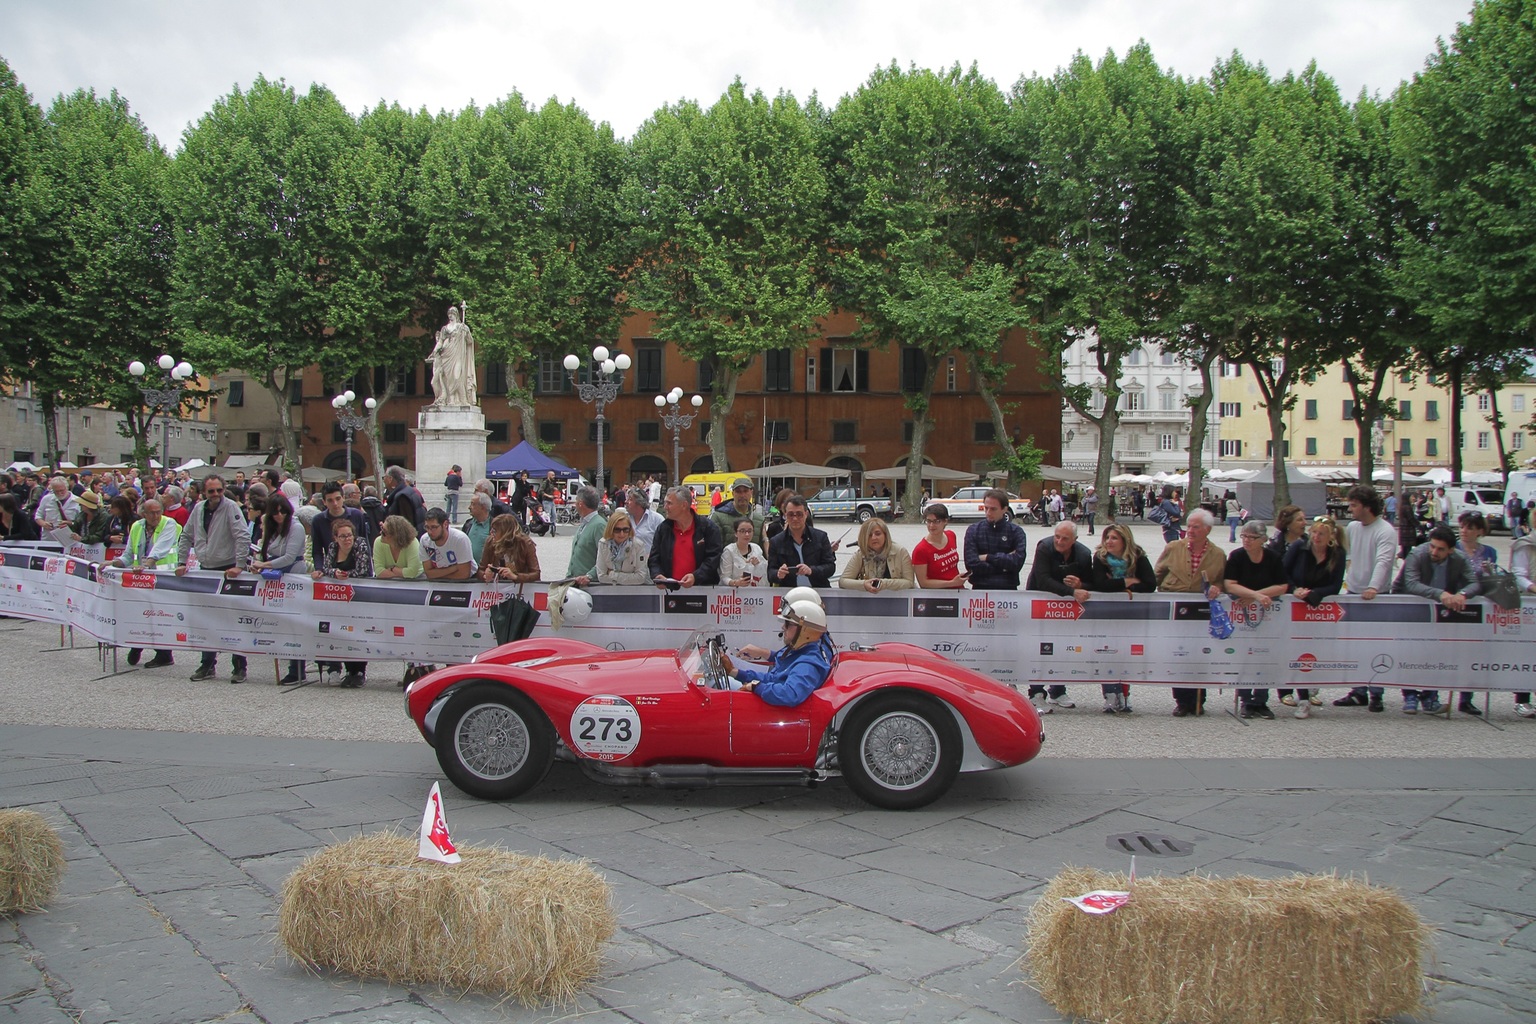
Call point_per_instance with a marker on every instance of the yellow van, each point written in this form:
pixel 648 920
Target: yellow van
pixel 702 484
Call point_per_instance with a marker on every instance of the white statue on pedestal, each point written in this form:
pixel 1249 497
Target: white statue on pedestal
pixel 453 363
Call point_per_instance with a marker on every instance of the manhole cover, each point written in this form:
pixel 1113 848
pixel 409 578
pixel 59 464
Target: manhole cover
pixel 1149 842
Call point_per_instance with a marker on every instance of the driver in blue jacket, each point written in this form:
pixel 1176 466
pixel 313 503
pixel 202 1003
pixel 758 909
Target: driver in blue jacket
pixel 799 667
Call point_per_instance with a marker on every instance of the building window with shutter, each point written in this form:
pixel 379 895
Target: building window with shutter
pixel 776 369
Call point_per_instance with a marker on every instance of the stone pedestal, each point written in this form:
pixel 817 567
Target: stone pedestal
pixel 448 437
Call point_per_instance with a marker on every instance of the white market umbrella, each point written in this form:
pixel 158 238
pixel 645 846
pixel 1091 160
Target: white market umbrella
pixel 1132 480
pixel 794 469
pixel 929 473
pixel 1331 475
pixel 1439 475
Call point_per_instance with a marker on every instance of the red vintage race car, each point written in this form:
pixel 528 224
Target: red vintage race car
pixel 896 721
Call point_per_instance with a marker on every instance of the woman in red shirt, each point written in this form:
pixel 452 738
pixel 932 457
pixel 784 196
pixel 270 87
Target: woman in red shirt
pixel 936 558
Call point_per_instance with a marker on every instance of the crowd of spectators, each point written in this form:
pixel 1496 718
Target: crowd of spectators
pixel 264 525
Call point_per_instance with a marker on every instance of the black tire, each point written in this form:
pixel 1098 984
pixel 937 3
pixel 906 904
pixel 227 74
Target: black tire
pixel 899 750
pixel 1007 515
pixel 864 514
pixel 493 742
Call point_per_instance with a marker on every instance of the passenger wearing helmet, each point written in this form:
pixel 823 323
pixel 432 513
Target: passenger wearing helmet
pixel 799 667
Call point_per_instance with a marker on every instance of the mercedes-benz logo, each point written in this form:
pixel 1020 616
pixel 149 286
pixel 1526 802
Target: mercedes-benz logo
pixel 1381 663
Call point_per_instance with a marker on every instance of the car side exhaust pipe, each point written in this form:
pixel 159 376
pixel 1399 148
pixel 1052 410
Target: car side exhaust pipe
pixel 698 776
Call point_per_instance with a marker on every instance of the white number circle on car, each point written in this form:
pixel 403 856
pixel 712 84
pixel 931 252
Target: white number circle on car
pixel 605 728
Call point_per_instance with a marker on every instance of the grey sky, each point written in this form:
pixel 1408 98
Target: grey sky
pixel 620 61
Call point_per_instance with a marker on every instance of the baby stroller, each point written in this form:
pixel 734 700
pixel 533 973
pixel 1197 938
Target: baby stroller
pixel 538 522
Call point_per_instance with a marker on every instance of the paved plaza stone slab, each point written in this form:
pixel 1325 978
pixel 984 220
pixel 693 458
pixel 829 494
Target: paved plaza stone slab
pixel 252 836
pixel 876 998
pixel 739 905
pixel 888 948
pixel 784 967
pixel 926 906
pixel 969 877
pixel 682 992
pixel 751 899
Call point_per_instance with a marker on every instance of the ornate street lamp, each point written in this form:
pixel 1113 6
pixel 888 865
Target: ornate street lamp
pixel 676 420
pixel 166 398
pixel 351 421
pixel 601 387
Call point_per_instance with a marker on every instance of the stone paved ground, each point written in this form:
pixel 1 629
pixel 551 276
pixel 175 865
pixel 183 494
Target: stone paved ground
pixel 774 905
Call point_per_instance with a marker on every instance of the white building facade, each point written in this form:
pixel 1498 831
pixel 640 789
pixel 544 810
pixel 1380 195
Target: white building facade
pixel 1153 435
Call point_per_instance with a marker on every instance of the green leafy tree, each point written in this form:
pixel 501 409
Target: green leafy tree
pixel 727 206
pixel 261 232
pixel 919 237
pixel 522 216
pixel 1266 219
pixel 1108 149
pixel 28 240
pixel 1381 317
pixel 1463 131
pixel 382 307
pixel 108 298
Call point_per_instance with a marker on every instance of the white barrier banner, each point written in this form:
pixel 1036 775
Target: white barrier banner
pixel 1018 637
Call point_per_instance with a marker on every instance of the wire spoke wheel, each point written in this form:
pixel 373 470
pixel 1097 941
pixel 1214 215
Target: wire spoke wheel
pixel 492 741
pixel 900 750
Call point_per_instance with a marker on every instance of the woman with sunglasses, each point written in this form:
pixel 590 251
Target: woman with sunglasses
pixel 621 556
pixel 281 549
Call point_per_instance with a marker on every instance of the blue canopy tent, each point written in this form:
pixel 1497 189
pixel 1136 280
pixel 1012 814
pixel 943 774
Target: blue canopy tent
pixel 525 456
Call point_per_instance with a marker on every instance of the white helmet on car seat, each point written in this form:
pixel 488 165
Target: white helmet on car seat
pixel 576 606
pixel 811 619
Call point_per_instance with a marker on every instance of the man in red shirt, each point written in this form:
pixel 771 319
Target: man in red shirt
pixel 687 546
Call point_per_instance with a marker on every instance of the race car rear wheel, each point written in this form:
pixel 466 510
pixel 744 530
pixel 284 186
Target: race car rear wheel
pixel 493 742
pixel 899 750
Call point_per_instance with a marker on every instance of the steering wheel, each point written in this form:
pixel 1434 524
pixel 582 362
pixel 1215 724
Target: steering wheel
pixel 714 663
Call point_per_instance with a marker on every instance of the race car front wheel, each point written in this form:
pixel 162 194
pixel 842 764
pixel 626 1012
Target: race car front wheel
pixel 493 742
pixel 899 750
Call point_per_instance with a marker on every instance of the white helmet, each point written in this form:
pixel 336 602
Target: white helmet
pixel 576 606
pixel 811 619
pixel 798 594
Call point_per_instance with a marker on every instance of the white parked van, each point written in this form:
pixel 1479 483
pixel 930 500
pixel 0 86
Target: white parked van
pixel 1477 498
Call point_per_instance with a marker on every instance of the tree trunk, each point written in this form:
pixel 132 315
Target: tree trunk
pixel 52 456
pixel 1455 375
pixel 1368 409
pixel 1199 411
pixel 279 393
pixel 726 377
pixel 999 428
pixel 1274 389
pixel 912 501
pixel 1498 431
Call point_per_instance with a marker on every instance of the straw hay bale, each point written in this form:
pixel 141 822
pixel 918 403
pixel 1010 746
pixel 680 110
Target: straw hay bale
pixel 501 923
pixel 1301 950
pixel 31 861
